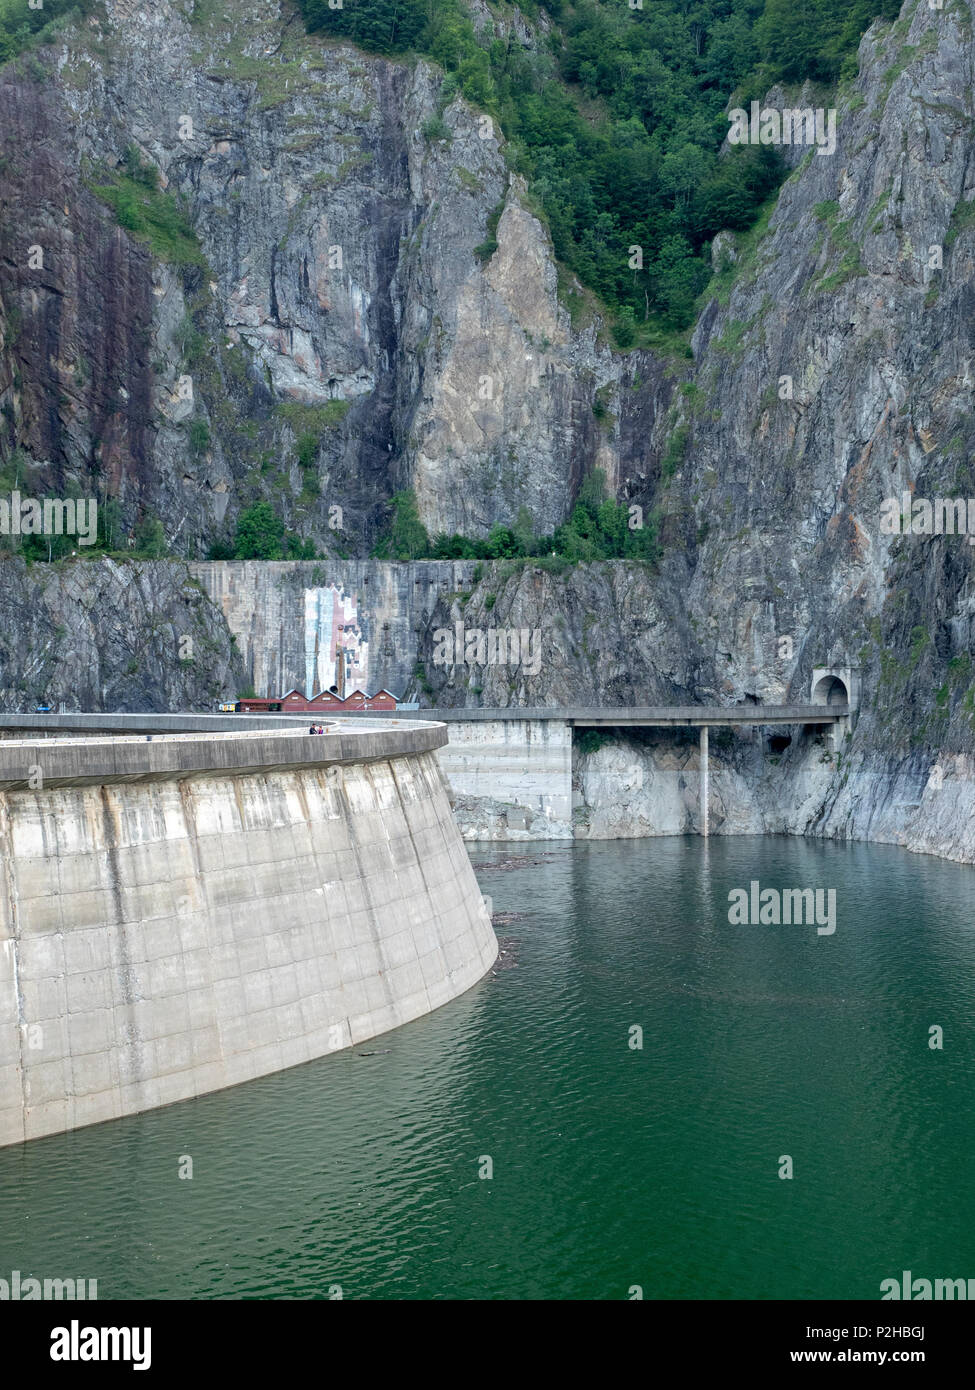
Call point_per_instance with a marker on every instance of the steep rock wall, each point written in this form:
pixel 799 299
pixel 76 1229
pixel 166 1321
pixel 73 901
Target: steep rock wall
pixel 109 635
pixel 341 338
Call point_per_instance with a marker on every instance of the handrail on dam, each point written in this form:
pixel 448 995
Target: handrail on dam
pixel 629 716
pixel 620 716
pixel 55 741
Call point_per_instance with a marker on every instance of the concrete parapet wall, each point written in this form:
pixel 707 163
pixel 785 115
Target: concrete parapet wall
pixel 71 761
pixel 161 939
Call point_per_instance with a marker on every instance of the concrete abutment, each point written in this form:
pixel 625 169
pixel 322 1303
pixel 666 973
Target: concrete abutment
pixel 174 934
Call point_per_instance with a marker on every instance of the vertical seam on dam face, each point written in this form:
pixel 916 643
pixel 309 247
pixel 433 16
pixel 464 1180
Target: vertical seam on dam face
pixel 373 919
pixel 184 916
pixel 327 790
pixel 133 1041
pixel 190 820
pixel 363 878
pixel 10 884
pixel 409 828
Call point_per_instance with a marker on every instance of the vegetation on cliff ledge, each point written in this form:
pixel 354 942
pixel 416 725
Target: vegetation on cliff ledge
pixel 21 26
pixel 616 116
pixel 598 529
pixel 132 192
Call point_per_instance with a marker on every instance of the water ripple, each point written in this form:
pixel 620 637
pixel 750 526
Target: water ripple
pixel 612 1165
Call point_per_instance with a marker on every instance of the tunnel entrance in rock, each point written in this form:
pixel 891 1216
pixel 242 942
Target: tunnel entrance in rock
pixel 830 690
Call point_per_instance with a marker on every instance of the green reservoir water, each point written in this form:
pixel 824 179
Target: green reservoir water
pixel 612 1166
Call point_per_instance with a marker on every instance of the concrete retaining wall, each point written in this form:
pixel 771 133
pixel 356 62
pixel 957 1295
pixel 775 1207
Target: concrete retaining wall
pixel 266 605
pixel 161 939
pixel 525 762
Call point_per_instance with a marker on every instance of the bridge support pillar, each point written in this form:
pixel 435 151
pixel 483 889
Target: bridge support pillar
pixel 704 780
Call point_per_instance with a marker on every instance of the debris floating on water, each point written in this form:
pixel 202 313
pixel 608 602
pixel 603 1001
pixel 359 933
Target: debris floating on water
pixel 508 950
pixel 518 861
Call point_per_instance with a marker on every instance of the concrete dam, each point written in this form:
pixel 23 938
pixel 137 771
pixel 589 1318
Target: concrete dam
pixel 182 913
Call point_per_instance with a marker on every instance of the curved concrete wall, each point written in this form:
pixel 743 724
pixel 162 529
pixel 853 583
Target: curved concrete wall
pixel 172 935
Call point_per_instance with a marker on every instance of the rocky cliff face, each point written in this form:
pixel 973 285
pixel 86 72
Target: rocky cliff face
pixel 320 333
pixel 603 634
pixel 841 313
pixel 99 635
pixel 844 301
pixel 832 371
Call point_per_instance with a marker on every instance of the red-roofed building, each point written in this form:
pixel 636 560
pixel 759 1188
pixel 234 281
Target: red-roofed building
pixel 382 700
pixel 326 700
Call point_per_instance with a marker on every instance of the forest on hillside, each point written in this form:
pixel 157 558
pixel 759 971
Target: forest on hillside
pixel 21 25
pixel 618 115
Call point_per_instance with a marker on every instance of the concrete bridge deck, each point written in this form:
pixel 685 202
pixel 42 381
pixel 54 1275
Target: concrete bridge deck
pixel 635 716
pixel 706 716
pixel 623 716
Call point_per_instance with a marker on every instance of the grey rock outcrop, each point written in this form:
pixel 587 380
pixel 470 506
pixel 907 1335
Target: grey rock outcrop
pixel 104 635
pixel 340 331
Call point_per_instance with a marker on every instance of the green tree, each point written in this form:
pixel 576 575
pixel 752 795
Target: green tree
pixel 624 329
pixel 407 538
pixel 298 549
pixel 199 436
pixel 612 518
pixel 260 534
pixel 386 26
pixel 502 543
pixel 524 532
pixel 641 542
pixel 150 539
pixel 110 528
pixel 680 277
pixel 21 26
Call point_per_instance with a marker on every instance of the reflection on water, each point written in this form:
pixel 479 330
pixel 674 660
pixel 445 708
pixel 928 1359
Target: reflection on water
pixel 612 1165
